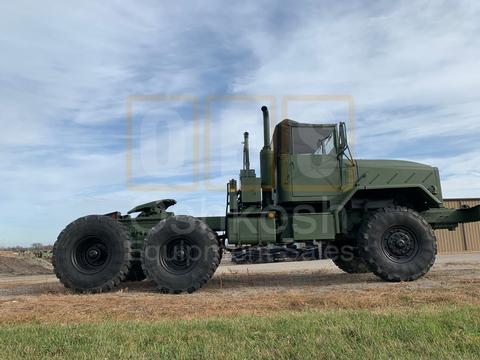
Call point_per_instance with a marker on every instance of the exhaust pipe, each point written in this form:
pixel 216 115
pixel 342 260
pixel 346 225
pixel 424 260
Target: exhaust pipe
pixel 266 127
pixel 246 153
pixel 266 162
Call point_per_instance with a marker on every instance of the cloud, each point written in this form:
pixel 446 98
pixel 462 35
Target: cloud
pixel 65 75
pixel 66 72
pixel 411 67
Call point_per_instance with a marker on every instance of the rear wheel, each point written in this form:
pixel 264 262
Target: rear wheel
pixel 181 254
pixel 398 244
pixel 92 254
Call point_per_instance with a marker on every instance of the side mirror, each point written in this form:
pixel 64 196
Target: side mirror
pixel 343 142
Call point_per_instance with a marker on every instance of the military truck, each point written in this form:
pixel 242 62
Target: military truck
pixel 312 197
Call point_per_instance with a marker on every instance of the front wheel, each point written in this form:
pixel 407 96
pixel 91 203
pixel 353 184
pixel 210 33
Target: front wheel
pixel 398 244
pixel 347 258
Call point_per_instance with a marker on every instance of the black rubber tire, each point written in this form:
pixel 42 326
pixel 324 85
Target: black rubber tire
pixel 135 273
pixel 77 239
pixel 164 270
pixel 403 267
pixel 347 257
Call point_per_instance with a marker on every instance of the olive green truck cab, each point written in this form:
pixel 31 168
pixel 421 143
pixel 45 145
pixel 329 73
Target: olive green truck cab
pixel 312 199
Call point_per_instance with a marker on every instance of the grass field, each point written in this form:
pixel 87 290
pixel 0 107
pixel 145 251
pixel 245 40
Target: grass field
pixel 429 331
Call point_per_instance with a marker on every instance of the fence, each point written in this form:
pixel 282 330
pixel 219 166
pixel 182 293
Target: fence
pixel 466 238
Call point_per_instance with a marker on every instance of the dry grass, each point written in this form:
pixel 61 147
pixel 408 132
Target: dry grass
pixel 138 303
pixel 232 293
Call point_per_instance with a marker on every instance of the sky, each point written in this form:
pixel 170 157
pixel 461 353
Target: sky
pixel 194 75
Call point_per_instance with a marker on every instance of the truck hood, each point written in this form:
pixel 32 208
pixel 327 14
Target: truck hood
pixel 391 173
pixel 392 164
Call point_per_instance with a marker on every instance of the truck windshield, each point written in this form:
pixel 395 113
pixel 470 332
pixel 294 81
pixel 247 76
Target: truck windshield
pixel 313 140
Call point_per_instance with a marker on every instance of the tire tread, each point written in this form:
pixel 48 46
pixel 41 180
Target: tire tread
pixel 107 286
pixel 217 254
pixel 364 244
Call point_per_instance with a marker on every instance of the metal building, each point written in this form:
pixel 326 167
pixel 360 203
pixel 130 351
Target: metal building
pixel 466 238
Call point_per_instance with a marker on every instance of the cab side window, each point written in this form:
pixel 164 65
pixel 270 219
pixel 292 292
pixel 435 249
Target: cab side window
pixel 325 146
pixel 313 140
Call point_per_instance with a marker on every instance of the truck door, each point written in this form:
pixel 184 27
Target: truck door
pixel 314 166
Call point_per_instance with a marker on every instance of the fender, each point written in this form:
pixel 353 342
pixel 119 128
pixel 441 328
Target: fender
pixel 337 208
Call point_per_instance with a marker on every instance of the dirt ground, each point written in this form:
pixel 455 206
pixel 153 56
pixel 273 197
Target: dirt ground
pixel 12 263
pixel 242 289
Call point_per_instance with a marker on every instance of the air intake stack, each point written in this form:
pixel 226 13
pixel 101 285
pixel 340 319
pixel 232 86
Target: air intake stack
pixel 266 162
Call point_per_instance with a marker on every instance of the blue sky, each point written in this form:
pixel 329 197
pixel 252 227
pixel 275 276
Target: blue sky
pixel 66 73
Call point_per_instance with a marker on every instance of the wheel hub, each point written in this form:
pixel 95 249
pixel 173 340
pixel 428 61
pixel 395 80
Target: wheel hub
pixel 179 256
pixel 93 253
pixel 90 255
pixel 400 244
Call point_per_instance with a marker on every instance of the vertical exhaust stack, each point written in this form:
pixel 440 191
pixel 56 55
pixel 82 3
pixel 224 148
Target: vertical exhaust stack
pixel 266 162
pixel 266 128
pixel 246 152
